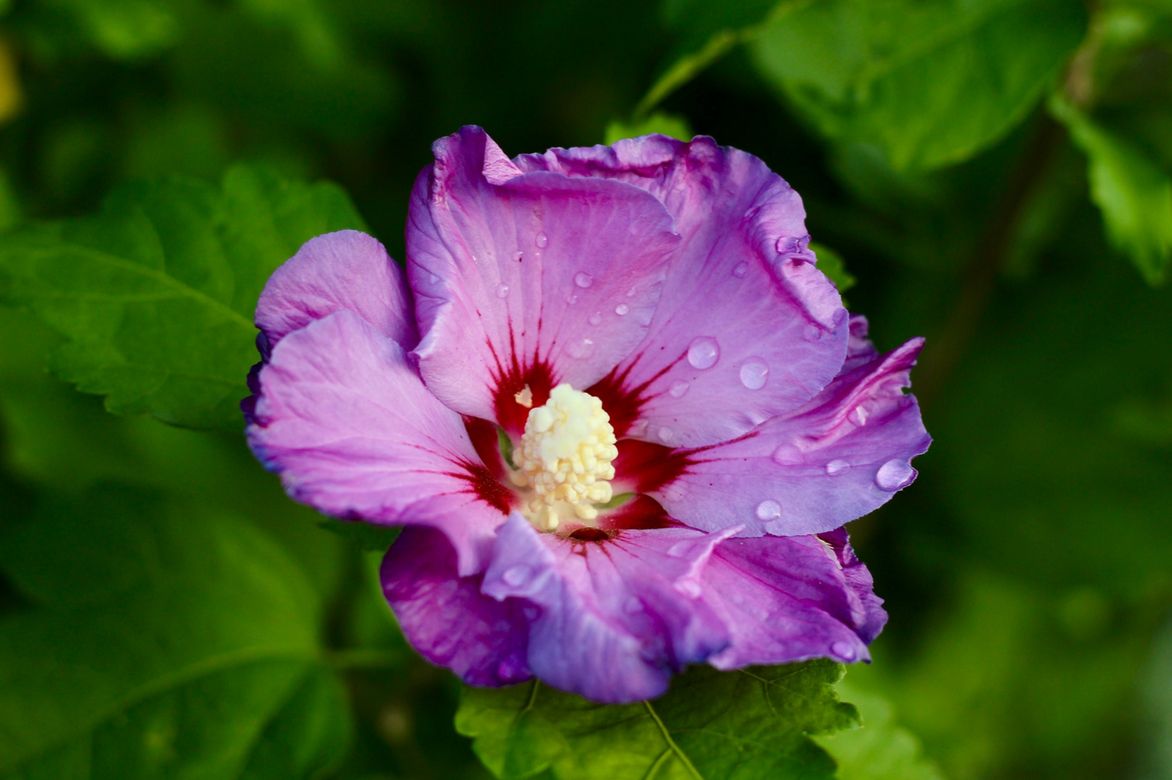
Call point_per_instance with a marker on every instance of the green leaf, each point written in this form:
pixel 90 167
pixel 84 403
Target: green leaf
pixel 155 294
pixel 666 124
pixel 1133 192
pixel 708 31
pixel 931 84
pixel 167 642
pixel 879 749
pixel 120 29
pixel 751 723
pixel 831 264
pixel 366 536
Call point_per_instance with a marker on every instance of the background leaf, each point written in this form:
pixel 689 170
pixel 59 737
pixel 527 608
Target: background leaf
pixel 164 645
pixel 155 294
pixel 928 83
pixel 1131 190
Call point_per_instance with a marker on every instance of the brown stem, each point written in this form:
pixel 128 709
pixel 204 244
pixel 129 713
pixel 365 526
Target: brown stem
pixel 992 251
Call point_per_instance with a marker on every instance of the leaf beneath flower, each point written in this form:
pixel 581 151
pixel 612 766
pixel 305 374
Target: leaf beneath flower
pixel 750 723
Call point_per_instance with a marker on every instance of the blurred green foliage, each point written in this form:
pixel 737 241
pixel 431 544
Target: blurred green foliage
pixel 993 173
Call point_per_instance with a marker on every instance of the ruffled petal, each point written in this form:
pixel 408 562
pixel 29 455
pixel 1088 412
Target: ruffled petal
pixel 615 618
pixel 747 327
pixel 447 619
pixel 342 271
pixel 526 279
pixel 346 422
pixel 842 455
pixel 787 599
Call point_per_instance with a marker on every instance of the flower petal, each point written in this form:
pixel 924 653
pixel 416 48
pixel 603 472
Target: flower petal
pixel 445 616
pixel 747 327
pixel 789 599
pixel 353 432
pixel 840 456
pixel 526 279
pixel 346 270
pixel 617 617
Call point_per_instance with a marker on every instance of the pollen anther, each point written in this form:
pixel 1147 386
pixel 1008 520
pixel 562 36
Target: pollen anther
pixel 565 459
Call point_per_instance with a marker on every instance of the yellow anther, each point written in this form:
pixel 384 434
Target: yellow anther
pixel 565 459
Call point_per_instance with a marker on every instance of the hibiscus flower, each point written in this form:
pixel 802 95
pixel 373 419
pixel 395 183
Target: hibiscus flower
pixel 620 413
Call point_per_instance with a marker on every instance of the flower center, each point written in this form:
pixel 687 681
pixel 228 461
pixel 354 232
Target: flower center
pixel 565 459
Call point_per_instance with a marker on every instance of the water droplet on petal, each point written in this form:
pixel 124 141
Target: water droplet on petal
pixel 859 415
pixel 583 280
pixel 680 549
pixel 666 435
pixel 754 373
pixel 594 318
pixel 516 575
pixel 788 455
pixel 677 389
pixel 571 297
pixel 836 467
pixel 581 349
pixel 541 240
pixel 703 352
pixel 621 309
pixel 689 588
pixel 502 291
pixel 768 510
pixel 776 528
pixel 843 650
pixel 812 333
pixel 740 269
pixel 894 474
pixel 638 428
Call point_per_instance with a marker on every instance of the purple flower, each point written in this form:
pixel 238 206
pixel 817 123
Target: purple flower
pixel 686 415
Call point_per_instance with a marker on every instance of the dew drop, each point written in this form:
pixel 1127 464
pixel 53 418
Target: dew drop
pixel 622 309
pixel 666 435
pixel 703 352
pixel 859 415
pixel 836 467
pixel 788 455
pixel 754 373
pixel 594 318
pixel 894 474
pixel 777 528
pixel 516 575
pixel 812 333
pixel 571 297
pixel 680 549
pixel 843 650
pixel 541 240
pixel 581 349
pixel 583 279
pixel 502 291
pixel 677 389
pixel 768 510
pixel 740 269
pixel 689 588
